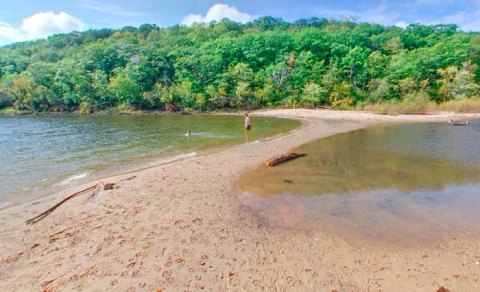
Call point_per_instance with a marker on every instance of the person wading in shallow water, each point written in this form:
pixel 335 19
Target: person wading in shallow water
pixel 247 127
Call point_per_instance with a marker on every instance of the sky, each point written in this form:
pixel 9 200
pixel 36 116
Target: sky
pixel 22 20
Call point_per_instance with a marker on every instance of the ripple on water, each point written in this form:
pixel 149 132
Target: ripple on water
pixel 42 152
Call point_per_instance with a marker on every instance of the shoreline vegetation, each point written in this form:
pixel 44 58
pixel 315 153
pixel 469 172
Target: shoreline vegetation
pixel 225 65
pixel 180 226
pixel 404 107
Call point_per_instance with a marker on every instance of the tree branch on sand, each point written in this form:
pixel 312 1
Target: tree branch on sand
pixel 50 210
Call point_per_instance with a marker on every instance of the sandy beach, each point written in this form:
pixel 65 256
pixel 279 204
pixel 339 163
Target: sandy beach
pixel 180 227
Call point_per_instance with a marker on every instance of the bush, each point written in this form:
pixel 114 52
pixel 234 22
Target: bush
pixel 8 111
pixel 5 100
pixel 85 108
pixel 417 103
pixel 471 105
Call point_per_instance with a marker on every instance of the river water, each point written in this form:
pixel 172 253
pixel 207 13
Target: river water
pixel 409 184
pixel 41 154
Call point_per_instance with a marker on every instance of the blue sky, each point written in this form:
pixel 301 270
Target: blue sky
pixel 23 20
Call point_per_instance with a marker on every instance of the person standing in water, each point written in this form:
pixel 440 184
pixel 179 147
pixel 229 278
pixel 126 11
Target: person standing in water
pixel 247 127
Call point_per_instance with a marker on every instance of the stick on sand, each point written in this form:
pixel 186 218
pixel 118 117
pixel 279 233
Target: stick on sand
pixel 50 210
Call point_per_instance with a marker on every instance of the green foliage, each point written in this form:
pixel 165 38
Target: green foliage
pixel 85 108
pixel 125 90
pixel 225 64
pixel 181 94
pixel 342 95
pixel 7 111
pixel 313 94
pixel 6 99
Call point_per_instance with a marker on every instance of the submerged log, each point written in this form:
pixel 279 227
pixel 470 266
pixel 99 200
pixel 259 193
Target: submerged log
pixel 283 158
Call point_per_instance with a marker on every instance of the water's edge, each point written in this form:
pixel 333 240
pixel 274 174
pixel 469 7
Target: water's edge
pixel 132 166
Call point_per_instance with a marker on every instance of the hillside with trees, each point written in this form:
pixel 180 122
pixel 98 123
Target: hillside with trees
pixel 225 64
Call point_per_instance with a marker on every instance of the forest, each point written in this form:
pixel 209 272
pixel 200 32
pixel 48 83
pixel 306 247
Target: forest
pixel 225 65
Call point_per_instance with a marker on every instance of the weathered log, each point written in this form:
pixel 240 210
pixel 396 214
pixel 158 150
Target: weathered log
pixel 283 158
pixel 457 123
pixel 50 210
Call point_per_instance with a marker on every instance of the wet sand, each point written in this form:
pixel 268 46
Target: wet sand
pixel 179 226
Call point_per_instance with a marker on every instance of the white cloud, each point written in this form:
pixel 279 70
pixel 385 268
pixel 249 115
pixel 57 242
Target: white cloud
pixel 389 14
pixel 218 12
pixel 467 21
pixel 44 24
pixel 9 34
pixel 192 18
pixel 380 14
pixel 401 24
pixel 40 25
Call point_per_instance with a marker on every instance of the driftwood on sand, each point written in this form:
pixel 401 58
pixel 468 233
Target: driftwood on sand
pixel 100 185
pixel 283 158
pixel 50 210
pixel 457 122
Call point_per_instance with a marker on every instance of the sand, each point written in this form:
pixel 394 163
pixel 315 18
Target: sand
pixel 181 227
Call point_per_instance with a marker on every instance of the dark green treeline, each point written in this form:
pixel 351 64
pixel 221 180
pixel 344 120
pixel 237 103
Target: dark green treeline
pixel 264 63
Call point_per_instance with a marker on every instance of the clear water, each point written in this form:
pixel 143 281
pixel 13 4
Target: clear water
pixel 398 184
pixel 51 151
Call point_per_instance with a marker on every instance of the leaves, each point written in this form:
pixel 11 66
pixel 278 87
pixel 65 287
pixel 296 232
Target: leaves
pixel 267 62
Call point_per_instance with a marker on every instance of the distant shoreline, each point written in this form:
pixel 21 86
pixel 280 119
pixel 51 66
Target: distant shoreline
pixel 110 113
pixel 219 112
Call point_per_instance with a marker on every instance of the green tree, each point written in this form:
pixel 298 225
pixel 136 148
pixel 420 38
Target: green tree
pixel 226 64
pixel 313 94
pixel 379 90
pixel 243 93
pixel 394 45
pixel 181 94
pixel 125 90
pixel 354 66
pixel 407 86
pixel 342 95
pixel 447 76
pixel 463 84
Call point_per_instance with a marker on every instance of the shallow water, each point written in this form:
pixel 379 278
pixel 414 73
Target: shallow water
pixel 37 152
pixel 397 184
